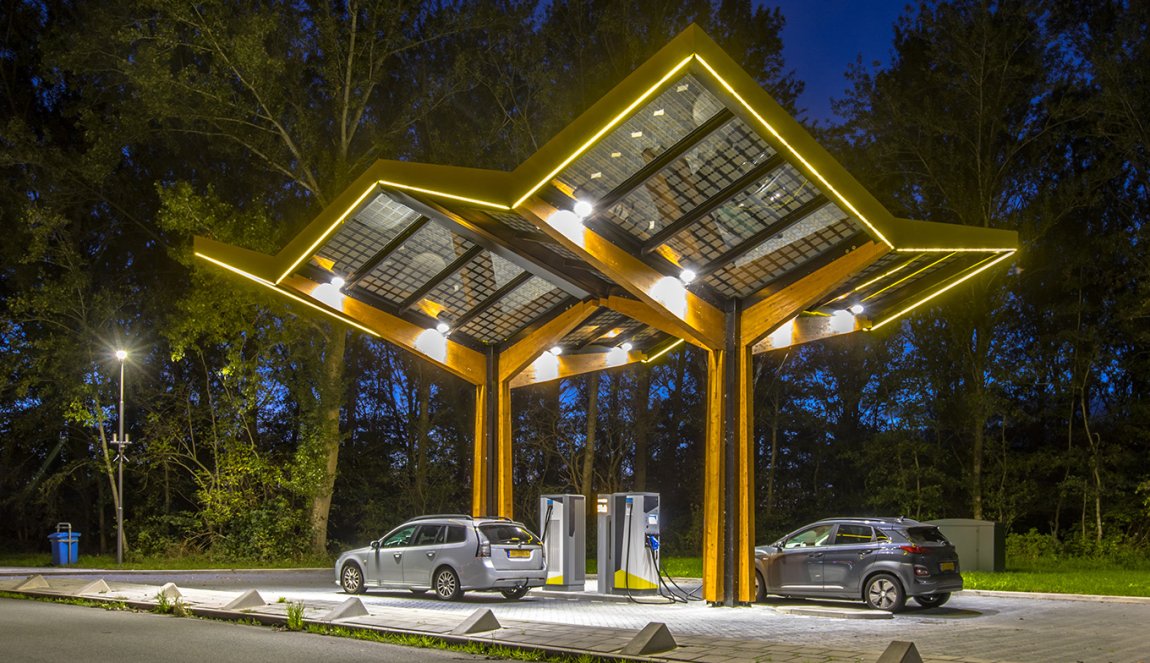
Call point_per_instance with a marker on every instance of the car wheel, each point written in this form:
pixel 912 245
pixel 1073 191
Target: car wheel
pixel 516 593
pixel 447 584
pixel 883 592
pixel 932 600
pixel 760 588
pixel 418 592
pixel 351 579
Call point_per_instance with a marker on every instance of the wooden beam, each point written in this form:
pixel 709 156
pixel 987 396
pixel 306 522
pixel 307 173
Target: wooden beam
pixel 642 312
pixel 807 329
pixel 680 309
pixel 545 369
pixel 713 480
pixel 777 308
pixel 457 359
pixel 520 355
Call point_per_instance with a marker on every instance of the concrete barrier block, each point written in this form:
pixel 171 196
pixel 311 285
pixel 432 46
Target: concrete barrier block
pixel 900 652
pixel 33 582
pixel 481 620
pixel 249 599
pixel 350 608
pixel 654 638
pixel 169 590
pixel 95 587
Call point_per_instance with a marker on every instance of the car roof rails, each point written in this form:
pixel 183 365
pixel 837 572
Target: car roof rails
pixel 439 516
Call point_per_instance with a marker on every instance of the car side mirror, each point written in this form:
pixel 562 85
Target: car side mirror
pixel 375 545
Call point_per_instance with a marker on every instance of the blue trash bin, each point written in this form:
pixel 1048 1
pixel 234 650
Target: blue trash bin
pixel 65 545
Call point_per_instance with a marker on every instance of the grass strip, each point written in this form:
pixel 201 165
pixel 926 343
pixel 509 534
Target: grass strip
pixel 67 600
pixel 1097 582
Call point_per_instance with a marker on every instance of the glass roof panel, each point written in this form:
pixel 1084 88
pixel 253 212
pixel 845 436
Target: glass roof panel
pixel 470 286
pixel 804 241
pixel 362 236
pixel 765 202
pixel 422 256
pixel 670 116
pixel 706 169
pixel 519 308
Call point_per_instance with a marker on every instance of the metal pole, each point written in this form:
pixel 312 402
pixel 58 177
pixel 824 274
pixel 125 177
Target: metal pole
pixel 120 480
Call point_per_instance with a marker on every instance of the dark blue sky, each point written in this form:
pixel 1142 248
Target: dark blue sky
pixel 823 37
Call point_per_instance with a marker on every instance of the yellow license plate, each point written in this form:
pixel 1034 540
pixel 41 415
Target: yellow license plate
pixel 946 566
pixel 518 553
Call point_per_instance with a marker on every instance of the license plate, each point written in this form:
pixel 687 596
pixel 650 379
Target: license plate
pixel 946 566
pixel 518 554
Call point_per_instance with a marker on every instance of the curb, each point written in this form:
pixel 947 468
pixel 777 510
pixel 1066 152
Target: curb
pixel 61 571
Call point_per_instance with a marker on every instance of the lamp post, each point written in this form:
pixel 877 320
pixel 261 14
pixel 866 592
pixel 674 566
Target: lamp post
pixel 120 441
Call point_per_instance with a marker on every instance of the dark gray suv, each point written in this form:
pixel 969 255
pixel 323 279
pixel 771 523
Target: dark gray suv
pixel 448 554
pixel 882 561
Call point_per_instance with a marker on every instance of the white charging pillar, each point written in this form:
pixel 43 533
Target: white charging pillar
pixel 628 557
pixel 563 526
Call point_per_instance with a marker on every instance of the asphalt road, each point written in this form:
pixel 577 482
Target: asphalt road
pixel 34 631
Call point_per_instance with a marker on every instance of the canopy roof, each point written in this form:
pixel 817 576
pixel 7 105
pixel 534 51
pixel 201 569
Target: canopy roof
pixel 687 165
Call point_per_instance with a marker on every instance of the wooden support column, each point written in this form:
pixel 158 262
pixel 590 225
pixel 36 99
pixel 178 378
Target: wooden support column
pixel 479 461
pixel 745 478
pixel 503 504
pixel 713 480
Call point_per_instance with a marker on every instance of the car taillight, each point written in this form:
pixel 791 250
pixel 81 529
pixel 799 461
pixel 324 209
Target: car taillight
pixel 914 550
pixel 484 549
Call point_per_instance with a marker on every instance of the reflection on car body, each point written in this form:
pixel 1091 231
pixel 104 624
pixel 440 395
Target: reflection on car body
pixel 882 561
pixel 449 554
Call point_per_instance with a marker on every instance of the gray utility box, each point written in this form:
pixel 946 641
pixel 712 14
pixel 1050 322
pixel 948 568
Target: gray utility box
pixel 981 544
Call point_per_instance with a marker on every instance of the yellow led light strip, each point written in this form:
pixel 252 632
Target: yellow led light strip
pixel 607 127
pixel 663 351
pixel 873 281
pixel 913 274
pixel 465 199
pixel 986 264
pixel 315 245
pixel 1000 249
pixel 792 150
pixel 264 282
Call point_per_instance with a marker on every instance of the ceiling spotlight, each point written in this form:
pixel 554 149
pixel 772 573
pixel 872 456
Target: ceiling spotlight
pixel 583 209
pixel 556 350
pixel 687 275
pixel 121 354
pixel 626 346
pixel 442 327
pixel 857 309
pixel 337 281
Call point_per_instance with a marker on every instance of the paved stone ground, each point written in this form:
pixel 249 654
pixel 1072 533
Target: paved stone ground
pixel 970 628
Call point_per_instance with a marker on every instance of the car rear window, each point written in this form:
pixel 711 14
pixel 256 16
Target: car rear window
pixel 504 533
pixel 925 535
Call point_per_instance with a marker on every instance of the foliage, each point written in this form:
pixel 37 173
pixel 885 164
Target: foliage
pixel 295 614
pixel 262 431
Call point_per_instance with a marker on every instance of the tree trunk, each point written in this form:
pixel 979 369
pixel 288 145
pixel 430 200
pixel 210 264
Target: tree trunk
pixel 588 471
pixel 331 399
pixel 642 424
pixel 421 436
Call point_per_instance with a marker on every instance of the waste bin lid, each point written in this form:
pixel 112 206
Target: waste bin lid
pixel 64 536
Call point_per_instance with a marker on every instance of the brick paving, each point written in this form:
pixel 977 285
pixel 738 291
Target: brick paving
pixel 970 629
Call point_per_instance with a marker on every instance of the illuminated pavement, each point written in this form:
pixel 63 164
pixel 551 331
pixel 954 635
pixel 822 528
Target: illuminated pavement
pixel 969 628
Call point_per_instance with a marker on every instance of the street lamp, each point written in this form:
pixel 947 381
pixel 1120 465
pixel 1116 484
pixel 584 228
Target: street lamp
pixel 120 441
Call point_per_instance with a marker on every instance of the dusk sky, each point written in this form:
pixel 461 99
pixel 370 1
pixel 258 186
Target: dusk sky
pixel 823 37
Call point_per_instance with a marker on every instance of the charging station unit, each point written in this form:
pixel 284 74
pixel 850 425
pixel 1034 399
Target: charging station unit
pixel 563 526
pixel 628 543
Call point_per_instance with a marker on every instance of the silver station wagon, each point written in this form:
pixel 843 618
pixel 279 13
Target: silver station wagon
pixel 882 561
pixel 449 554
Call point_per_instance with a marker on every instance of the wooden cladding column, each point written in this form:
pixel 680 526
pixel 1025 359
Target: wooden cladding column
pixel 713 490
pixel 745 478
pixel 479 462
pixel 503 503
